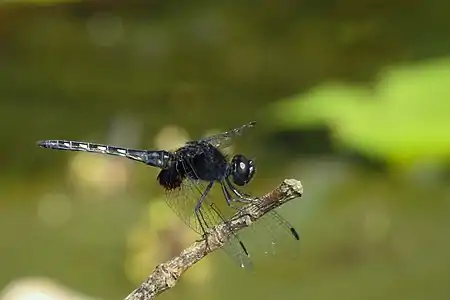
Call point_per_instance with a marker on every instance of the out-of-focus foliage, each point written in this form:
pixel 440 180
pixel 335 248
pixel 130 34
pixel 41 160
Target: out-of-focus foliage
pixel 38 2
pixel 403 118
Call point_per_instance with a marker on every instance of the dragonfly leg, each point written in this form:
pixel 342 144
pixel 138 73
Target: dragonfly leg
pixel 229 199
pixel 243 197
pixel 198 209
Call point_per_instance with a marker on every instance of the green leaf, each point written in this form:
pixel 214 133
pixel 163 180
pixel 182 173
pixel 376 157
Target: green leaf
pixel 405 118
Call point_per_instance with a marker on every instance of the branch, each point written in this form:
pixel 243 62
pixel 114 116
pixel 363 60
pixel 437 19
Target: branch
pixel 166 275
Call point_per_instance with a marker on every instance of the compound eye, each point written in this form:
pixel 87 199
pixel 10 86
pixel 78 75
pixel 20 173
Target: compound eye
pixel 243 169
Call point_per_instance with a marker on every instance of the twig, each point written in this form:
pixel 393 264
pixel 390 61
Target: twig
pixel 166 275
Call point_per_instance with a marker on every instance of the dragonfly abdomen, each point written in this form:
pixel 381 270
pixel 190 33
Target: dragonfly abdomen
pixel 154 158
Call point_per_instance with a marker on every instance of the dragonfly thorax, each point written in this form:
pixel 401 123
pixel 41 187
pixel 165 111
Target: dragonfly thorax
pixel 197 161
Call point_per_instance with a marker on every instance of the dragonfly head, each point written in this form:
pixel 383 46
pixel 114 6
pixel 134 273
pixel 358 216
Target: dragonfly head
pixel 242 169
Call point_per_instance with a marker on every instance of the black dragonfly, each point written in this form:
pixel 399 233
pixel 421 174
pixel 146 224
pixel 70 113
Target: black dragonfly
pixel 188 175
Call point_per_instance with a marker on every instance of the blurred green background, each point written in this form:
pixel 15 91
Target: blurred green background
pixel 351 97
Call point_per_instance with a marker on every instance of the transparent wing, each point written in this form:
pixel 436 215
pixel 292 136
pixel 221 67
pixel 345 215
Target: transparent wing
pixel 183 200
pixel 225 139
pixel 271 236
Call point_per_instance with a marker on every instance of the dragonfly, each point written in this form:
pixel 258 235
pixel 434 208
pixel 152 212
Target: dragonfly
pixel 188 175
